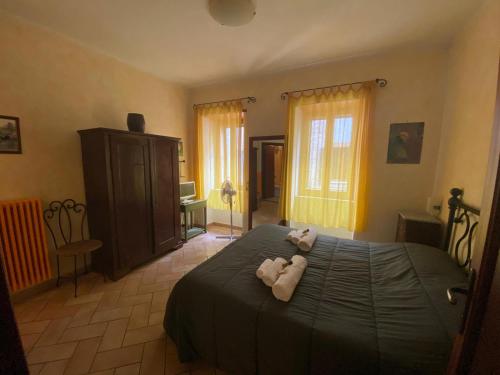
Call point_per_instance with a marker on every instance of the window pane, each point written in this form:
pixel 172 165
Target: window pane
pixel 342 131
pixel 316 150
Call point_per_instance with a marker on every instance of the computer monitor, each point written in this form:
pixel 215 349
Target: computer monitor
pixel 187 190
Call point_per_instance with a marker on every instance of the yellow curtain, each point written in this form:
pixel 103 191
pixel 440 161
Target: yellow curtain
pixel 325 172
pixel 220 150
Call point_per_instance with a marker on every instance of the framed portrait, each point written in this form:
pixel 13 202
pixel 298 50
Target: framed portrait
pixel 405 143
pixel 10 135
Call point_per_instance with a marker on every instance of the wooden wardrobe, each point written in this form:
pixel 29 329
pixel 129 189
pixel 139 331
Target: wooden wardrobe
pixel 132 193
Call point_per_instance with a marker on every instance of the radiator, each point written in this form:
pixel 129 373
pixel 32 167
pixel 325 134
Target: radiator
pixel 23 244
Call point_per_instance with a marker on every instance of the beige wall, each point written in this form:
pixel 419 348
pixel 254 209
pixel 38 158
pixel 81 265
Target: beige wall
pixel 469 106
pixel 414 93
pixel 56 87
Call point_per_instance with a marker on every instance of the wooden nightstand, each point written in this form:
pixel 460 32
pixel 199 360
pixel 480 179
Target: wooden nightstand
pixel 419 227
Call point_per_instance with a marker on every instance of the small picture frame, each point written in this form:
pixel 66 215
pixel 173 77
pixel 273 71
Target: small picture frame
pixel 10 135
pixel 405 143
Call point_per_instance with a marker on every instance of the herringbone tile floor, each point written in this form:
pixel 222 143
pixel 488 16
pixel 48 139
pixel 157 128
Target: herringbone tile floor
pixel 112 328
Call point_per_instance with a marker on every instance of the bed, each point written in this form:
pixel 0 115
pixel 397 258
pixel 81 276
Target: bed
pixel 360 308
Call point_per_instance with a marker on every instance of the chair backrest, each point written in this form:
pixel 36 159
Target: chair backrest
pixel 62 219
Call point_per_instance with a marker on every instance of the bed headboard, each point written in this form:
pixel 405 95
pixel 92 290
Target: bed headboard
pixel 460 213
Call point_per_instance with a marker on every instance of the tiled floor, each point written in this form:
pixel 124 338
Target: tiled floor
pixel 112 328
pixel 266 214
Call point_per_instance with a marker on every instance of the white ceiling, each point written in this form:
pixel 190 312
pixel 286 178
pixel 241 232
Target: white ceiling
pixel 178 40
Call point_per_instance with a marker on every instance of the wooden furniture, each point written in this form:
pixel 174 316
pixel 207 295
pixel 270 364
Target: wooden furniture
pixel 189 207
pixel 132 191
pixel 419 227
pixel 61 218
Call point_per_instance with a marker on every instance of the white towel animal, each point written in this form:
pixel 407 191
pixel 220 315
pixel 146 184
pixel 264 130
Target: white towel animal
pixel 306 242
pixel 284 287
pixel 294 236
pixel 269 270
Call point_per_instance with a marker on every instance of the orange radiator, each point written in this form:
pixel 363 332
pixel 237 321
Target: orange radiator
pixel 23 245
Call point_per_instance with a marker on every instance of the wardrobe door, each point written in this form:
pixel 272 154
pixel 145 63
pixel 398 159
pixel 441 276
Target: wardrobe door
pixel 131 174
pixel 166 201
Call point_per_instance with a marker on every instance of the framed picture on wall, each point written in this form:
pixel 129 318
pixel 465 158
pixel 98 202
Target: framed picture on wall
pixel 10 135
pixel 405 143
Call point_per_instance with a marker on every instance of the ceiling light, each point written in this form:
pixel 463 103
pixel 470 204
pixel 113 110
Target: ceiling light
pixel 232 12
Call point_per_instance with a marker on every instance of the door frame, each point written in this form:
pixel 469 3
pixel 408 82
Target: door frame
pixel 250 162
pixel 465 344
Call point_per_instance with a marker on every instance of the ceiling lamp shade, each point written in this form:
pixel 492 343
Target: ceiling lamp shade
pixel 232 12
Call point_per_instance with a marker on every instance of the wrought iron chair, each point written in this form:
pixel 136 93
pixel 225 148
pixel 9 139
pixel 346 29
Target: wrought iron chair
pixel 59 218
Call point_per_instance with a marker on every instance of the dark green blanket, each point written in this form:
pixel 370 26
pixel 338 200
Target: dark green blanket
pixel 360 308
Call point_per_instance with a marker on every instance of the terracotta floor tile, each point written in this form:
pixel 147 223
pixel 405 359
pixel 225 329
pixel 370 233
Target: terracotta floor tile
pixel 129 370
pixel 159 301
pixel 55 311
pixel 156 287
pixel 153 358
pixel 145 334
pixel 113 314
pixel 33 327
pixel 83 332
pixel 113 337
pixel 84 314
pixel 35 369
pixel 108 314
pixel 156 317
pixel 86 298
pixel 131 286
pixel 117 358
pixel 134 300
pixel 139 317
pixel 31 312
pixel 53 332
pixel 51 353
pixel 29 341
pixel 54 368
pixel 109 300
pixel 83 357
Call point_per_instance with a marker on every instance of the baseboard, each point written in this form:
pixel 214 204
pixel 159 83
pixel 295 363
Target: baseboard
pixel 225 225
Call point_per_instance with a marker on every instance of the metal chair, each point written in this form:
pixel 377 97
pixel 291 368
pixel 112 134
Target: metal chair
pixel 59 218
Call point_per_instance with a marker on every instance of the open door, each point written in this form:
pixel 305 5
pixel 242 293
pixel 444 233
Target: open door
pixel 476 349
pixel 267 171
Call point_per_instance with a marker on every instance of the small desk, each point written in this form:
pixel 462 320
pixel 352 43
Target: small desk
pixel 188 208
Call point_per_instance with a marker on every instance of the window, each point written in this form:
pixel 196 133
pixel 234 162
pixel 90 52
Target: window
pixel 341 139
pixel 326 181
pixel 220 153
pixel 342 131
pixel 316 151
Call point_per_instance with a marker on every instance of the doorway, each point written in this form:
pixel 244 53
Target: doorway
pixel 265 179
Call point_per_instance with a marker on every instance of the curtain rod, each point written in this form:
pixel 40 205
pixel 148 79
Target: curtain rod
pixel 381 82
pixel 249 99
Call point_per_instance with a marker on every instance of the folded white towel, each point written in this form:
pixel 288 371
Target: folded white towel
pixel 296 235
pixel 269 270
pixel 284 287
pixel 306 242
pixel 293 237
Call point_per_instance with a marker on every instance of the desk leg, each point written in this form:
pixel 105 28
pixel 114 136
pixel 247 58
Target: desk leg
pixel 205 217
